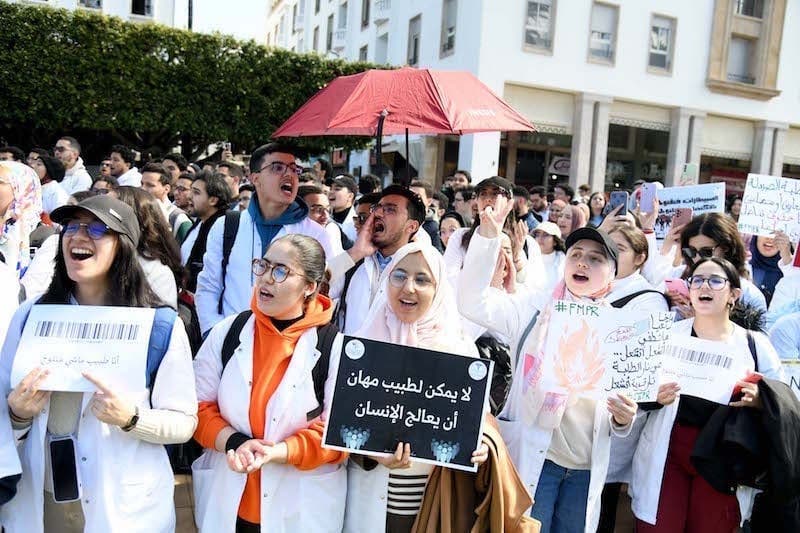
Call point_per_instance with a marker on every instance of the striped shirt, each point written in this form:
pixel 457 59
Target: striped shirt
pixel 406 489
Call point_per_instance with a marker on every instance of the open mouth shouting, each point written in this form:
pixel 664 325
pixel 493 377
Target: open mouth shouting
pixel 407 304
pixel 80 254
pixel 705 298
pixel 287 187
pixel 264 295
pixel 378 227
pixel 580 277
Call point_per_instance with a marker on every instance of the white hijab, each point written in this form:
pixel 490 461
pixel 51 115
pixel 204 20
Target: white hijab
pixel 439 329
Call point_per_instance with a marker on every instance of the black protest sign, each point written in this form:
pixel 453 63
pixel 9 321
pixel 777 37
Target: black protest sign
pixel 386 393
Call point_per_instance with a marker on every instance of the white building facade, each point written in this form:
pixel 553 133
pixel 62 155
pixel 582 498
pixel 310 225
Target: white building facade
pixel 174 13
pixel 618 90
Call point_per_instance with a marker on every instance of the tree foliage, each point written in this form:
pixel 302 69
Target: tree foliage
pixel 148 84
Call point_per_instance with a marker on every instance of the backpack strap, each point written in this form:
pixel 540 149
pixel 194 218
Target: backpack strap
pixel 525 334
pixel 228 237
pixel 625 300
pixel 751 343
pixel 341 311
pixel 231 341
pixel 319 374
pixel 158 345
pixel 173 216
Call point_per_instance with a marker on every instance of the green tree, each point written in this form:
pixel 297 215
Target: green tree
pixel 147 85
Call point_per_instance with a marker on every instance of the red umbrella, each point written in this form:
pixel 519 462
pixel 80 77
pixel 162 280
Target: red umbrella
pixel 406 100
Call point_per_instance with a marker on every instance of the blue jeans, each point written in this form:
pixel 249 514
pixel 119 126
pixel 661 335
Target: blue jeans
pixel 560 501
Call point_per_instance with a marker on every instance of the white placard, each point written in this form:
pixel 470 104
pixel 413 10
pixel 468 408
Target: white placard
pixel 706 198
pixel 596 351
pixel 769 204
pixel 108 342
pixel 704 369
pixel 792 371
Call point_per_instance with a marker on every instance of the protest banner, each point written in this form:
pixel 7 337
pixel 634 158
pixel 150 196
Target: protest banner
pixel 387 393
pixel 598 351
pixel 703 368
pixel 769 204
pixel 706 198
pixel 108 342
pixel 792 371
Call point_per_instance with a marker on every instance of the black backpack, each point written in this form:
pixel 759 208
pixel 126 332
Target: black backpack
pixel 325 337
pixel 494 350
pixel 230 229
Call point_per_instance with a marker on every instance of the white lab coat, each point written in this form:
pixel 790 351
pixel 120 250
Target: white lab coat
pixel 509 314
pixel 126 482
pixel 651 452
pixel 293 500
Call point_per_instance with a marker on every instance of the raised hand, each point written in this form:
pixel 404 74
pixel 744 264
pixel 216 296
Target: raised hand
pixel 493 217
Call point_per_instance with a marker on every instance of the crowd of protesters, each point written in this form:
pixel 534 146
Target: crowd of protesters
pixel 257 271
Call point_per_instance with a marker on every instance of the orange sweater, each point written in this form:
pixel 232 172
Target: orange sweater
pixel 272 352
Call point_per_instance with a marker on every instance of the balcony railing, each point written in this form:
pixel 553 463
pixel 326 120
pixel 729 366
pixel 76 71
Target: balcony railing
pixel 339 39
pixel 382 11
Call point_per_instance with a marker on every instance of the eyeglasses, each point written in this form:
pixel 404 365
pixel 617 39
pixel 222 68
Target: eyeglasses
pixel 95 229
pixel 715 283
pixel 388 209
pixel 361 218
pixel 493 193
pixel 319 209
pixel 703 253
pixel 278 272
pixel 280 168
pixel 399 278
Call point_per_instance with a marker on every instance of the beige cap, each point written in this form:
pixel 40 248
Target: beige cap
pixel 550 228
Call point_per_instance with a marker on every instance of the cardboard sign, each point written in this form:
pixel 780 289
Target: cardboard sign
pixel 108 342
pixel 769 204
pixel 386 394
pixel 597 352
pixel 792 371
pixel 706 198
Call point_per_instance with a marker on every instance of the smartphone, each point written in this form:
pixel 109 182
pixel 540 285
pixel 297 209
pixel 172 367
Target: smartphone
pixel 683 215
pixel 617 198
pixel 64 469
pixel 648 194
pixel 677 285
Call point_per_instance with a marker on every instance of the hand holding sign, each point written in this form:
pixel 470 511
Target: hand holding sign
pixel 622 408
pixel 401 458
pixel 107 406
pixel 26 399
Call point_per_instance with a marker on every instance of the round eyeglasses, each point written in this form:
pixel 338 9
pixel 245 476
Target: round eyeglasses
pixel 715 283
pixel 278 272
pixel 399 278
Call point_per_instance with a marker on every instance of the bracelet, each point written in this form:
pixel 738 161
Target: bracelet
pixel 648 231
pixel 18 420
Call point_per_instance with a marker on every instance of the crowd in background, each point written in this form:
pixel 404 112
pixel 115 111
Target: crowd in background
pixel 256 261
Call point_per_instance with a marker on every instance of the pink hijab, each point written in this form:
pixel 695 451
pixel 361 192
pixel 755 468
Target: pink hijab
pixel 439 329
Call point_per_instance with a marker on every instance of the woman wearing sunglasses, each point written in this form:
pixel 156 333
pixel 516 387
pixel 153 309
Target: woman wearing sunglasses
pixel 669 494
pixel 714 235
pixel 415 307
pixel 119 467
pixel 263 468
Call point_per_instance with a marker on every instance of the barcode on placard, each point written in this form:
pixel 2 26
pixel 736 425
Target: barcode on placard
pixel 96 331
pixel 702 358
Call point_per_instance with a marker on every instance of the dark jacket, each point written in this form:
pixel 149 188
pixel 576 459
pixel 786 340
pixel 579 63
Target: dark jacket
pixel 756 448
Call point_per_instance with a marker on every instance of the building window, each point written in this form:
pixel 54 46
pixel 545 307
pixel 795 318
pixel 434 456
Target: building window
pixel 329 34
pixel 414 29
pixel 449 10
pixel 539 21
pixel 143 8
pixel 92 4
pixel 750 8
pixel 343 16
pixel 316 6
pixel 740 60
pixel 662 41
pixel 315 39
pixel 362 53
pixel 603 33
pixel 382 49
pixel 364 13
pixel 294 18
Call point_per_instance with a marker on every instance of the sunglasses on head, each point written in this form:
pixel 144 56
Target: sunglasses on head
pixel 95 229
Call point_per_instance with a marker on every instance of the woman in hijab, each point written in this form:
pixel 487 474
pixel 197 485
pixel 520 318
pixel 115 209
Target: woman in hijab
pixel 415 307
pixel 766 256
pixel 570 219
pixel 20 212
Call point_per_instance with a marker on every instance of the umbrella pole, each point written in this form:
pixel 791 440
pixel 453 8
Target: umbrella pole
pixel 378 147
pixel 408 164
